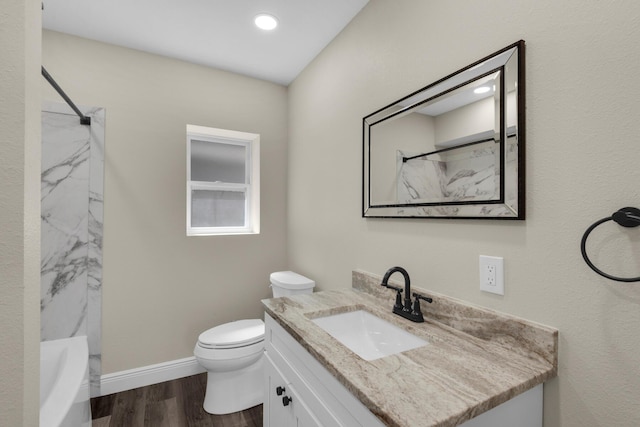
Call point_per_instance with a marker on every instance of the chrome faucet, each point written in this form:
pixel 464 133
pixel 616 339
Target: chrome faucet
pixel 407 309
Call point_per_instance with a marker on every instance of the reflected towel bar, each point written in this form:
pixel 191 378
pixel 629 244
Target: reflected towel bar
pixel 406 159
pixel 510 133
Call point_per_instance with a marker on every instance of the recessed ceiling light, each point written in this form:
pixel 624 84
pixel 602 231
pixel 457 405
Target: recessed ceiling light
pixel 265 21
pixel 481 89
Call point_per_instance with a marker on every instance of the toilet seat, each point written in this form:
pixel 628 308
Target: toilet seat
pixel 241 333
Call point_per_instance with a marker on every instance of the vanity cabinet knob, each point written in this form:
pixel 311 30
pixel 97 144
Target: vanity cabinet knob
pixel 280 390
pixel 286 400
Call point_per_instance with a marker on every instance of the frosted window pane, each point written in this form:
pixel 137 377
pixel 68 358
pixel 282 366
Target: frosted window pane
pixel 214 161
pixel 217 208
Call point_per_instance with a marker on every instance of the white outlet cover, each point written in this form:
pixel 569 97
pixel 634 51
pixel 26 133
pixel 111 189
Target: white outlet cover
pixel 492 274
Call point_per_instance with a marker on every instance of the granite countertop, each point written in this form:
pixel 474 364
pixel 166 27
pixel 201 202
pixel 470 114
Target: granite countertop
pixel 476 358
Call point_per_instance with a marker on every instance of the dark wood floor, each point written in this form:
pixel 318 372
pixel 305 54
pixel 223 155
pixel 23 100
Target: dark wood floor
pixel 176 403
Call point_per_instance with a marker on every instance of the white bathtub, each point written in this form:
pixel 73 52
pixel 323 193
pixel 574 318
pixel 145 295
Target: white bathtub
pixel 64 386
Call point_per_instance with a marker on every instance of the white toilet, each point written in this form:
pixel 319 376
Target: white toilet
pixel 232 354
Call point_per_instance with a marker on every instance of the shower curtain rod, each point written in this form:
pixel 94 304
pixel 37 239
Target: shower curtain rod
pixel 84 120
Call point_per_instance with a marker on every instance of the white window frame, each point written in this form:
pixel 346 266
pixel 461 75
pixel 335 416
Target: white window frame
pixel 251 188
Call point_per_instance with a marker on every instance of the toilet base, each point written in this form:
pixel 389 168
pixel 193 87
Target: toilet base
pixel 234 391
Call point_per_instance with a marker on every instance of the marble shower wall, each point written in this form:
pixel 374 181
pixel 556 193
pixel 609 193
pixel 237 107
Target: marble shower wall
pixel 471 177
pixel 71 234
pixel 465 177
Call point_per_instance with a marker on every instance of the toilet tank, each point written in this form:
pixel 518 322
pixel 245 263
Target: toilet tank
pixel 286 283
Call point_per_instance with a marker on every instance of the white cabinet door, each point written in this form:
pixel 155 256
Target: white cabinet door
pixel 277 412
pixel 304 416
pixel 283 406
pixel 524 410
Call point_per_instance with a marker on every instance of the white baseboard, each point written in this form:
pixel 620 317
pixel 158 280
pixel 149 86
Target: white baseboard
pixel 147 375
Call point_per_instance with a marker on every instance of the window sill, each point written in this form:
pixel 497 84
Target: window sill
pixel 220 232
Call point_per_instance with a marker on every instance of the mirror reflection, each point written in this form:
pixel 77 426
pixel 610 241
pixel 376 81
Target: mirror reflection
pixel 452 149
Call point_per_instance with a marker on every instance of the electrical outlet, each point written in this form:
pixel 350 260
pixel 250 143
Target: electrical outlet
pixel 492 274
pixel 490 279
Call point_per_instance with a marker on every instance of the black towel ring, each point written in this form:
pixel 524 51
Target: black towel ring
pixel 626 217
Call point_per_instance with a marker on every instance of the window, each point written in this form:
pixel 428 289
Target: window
pixel 223 181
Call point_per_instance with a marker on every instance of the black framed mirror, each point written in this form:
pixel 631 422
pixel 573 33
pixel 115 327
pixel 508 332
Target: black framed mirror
pixel 453 149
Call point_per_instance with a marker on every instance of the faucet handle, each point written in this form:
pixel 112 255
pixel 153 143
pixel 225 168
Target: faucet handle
pixel 398 304
pixel 416 304
pixel 422 297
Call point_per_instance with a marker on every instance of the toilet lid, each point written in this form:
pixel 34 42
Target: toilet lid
pixel 234 334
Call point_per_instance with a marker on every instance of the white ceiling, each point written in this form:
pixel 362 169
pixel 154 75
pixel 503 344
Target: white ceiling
pixel 215 33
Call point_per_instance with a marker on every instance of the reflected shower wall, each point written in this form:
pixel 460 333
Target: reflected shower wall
pixel 71 233
pixel 449 177
pixel 469 177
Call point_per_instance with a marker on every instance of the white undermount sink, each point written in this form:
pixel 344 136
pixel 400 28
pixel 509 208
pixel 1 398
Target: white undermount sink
pixel 369 336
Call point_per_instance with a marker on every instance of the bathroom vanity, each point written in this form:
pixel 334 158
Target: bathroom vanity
pixel 478 368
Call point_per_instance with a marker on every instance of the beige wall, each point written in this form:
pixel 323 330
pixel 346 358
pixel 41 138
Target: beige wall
pixel 161 288
pixel 468 120
pixel 583 97
pixel 412 133
pixel 20 212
